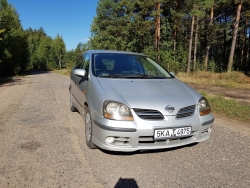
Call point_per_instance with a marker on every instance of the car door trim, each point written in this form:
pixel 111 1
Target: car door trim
pixel 76 100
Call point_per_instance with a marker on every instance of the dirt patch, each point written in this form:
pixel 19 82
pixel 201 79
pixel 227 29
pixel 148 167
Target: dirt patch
pixel 240 95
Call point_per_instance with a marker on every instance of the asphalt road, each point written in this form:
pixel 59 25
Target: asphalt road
pixel 42 144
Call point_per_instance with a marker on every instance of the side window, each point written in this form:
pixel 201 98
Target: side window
pixel 85 64
pixel 80 61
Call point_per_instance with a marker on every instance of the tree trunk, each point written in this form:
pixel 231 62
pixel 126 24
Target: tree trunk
pixel 157 31
pixel 175 39
pixel 208 42
pixel 190 45
pixel 247 61
pixel 242 58
pixel 175 29
pixel 224 38
pixel 196 42
pixel 60 63
pixel 235 31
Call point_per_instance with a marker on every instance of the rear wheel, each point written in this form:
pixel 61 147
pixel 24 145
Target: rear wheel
pixel 72 108
pixel 88 129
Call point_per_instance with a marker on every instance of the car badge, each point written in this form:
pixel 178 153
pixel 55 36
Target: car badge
pixel 169 108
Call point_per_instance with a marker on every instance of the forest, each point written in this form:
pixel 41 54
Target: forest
pixel 182 35
pixel 26 49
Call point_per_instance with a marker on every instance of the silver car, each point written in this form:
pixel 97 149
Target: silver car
pixel 129 103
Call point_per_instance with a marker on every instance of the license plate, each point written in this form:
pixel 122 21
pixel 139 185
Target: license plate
pixel 172 132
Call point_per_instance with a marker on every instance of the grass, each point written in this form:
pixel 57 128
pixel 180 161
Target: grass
pixel 228 108
pixel 65 71
pixel 227 80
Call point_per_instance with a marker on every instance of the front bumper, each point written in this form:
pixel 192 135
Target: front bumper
pixel 139 134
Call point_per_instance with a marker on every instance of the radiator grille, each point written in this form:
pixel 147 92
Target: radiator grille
pixel 186 111
pixel 148 114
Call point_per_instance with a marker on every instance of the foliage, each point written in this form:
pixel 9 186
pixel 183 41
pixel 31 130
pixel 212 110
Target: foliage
pixel 12 38
pixel 71 56
pixel 59 50
pixel 45 53
pixel 21 49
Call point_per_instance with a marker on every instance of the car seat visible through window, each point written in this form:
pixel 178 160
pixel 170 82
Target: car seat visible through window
pixel 99 67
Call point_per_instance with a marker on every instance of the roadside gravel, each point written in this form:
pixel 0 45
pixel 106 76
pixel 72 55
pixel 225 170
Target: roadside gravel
pixel 42 144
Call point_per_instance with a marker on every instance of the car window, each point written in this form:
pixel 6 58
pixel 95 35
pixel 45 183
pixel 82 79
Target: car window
pixel 80 61
pixel 127 66
pixel 85 64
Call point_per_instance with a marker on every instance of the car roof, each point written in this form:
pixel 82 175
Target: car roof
pixel 114 51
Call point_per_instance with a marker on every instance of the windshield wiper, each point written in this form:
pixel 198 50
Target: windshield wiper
pixel 145 76
pixel 136 76
pixel 113 76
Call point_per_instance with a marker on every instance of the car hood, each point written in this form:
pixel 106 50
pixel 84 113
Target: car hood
pixel 150 93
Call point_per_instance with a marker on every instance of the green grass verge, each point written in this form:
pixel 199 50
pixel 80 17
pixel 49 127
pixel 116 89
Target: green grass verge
pixel 63 71
pixel 227 80
pixel 228 108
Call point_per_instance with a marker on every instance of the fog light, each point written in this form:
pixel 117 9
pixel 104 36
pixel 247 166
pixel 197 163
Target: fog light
pixel 110 139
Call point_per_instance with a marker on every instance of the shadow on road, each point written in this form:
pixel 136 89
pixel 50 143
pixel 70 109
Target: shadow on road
pixel 124 183
pixel 11 81
pixel 35 72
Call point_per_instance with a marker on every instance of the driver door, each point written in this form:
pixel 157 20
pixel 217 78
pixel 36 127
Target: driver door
pixel 81 83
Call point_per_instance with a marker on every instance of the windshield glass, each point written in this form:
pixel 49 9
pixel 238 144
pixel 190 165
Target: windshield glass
pixel 126 66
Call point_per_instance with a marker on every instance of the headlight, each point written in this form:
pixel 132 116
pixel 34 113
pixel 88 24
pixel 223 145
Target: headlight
pixel 204 106
pixel 116 111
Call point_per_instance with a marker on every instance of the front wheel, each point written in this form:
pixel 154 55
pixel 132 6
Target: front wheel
pixel 88 129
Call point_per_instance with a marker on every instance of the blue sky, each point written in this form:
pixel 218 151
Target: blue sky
pixel 69 18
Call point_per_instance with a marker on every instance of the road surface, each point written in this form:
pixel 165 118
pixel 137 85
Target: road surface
pixel 42 144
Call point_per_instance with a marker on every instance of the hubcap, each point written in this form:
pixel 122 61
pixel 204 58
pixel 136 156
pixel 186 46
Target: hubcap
pixel 88 126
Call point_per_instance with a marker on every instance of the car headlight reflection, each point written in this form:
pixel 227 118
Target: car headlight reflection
pixel 116 111
pixel 204 107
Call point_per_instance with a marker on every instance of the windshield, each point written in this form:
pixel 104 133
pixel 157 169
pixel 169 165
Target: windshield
pixel 127 66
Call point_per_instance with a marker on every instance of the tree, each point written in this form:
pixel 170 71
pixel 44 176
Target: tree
pixel 59 49
pixel 190 45
pixel 12 38
pixel 208 41
pixel 235 31
pixel 196 42
pixel 157 30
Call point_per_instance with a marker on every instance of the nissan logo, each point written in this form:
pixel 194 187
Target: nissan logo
pixel 169 108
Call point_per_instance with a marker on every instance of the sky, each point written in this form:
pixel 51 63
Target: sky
pixel 71 19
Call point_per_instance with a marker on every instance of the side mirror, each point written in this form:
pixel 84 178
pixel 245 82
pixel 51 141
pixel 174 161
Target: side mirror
pixel 172 73
pixel 80 72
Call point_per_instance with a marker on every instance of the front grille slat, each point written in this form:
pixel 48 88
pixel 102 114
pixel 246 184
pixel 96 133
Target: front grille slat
pixel 148 114
pixel 186 111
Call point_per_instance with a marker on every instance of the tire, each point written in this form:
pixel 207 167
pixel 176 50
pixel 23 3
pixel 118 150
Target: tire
pixel 88 128
pixel 72 108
